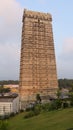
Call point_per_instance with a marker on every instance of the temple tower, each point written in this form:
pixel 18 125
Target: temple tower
pixel 37 64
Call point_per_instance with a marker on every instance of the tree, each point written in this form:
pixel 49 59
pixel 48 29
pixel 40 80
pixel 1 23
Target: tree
pixel 38 98
pixel 4 90
pixel 71 98
pixel 58 93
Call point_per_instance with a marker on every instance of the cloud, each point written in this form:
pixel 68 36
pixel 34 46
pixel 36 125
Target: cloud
pixel 67 50
pixel 10 11
pixel 42 1
pixel 68 45
pixel 65 59
pixel 10 35
pixel 9 61
pixel 10 20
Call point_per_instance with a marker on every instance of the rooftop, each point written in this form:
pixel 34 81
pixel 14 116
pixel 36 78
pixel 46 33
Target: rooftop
pixel 37 15
pixel 8 98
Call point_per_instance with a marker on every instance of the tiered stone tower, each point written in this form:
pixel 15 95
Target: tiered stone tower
pixel 37 65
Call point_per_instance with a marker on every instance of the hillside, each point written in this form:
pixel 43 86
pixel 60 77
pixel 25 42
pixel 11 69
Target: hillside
pixel 55 120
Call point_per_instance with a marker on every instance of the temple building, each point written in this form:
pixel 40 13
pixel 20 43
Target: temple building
pixel 37 64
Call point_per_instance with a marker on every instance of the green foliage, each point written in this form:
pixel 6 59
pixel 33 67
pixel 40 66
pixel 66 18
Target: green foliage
pixel 38 98
pixel 65 83
pixel 52 106
pixel 12 114
pixel 29 114
pixel 71 103
pixel 58 103
pixel 65 105
pixel 38 108
pixel 4 90
pixel 6 82
pixel 71 98
pixel 58 93
pixel 3 125
pixel 33 111
pixel 45 107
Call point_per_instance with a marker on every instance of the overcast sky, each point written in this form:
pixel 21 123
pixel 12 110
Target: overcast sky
pixel 11 12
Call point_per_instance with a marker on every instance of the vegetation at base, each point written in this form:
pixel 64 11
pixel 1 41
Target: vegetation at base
pixel 3 125
pixel 38 98
pixel 53 105
pixel 52 120
pixel 55 115
pixel 33 111
pixel 31 114
pixel 7 116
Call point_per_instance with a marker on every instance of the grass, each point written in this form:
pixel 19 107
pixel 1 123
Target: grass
pixel 54 120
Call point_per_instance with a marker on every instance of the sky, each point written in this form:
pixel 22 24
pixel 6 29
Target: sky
pixel 11 12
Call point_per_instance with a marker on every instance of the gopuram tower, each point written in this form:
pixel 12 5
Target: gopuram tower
pixel 37 65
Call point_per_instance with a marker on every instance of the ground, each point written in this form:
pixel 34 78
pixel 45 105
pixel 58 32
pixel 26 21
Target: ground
pixel 54 120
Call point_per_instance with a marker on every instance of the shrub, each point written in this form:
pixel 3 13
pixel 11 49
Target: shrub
pixel 71 103
pixel 30 108
pixel 58 103
pixel 29 114
pixel 3 117
pixel 6 116
pixel 12 114
pixel 37 110
pixel 38 98
pixel 38 107
pixel 33 111
pixel 65 105
pixel 71 100
pixel 45 107
pixel 52 106
pixel 21 110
